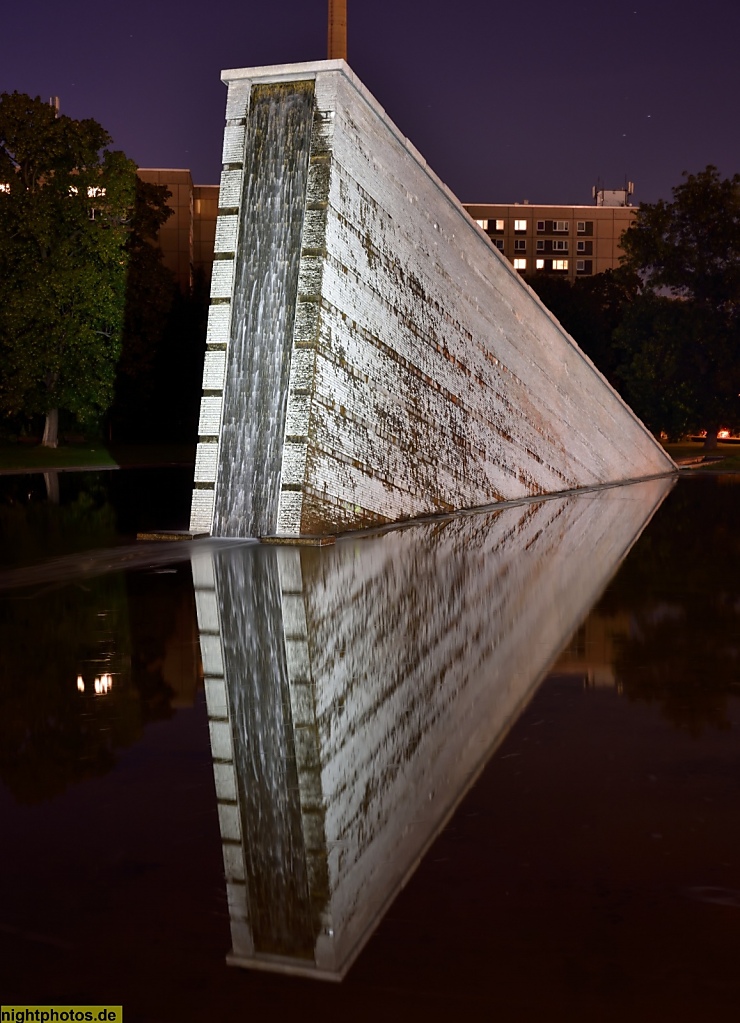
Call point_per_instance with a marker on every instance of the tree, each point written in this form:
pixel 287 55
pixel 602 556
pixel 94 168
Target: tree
pixel 65 208
pixel 591 308
pixel 151 293
pixel 684 327
pixel 681 589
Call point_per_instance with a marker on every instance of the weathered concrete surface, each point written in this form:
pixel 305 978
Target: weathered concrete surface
pixel 424 375
pixel 355 692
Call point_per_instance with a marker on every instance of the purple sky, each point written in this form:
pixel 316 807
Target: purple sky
pixel 507 101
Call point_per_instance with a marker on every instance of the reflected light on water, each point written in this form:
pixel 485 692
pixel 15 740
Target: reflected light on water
pixel 103 685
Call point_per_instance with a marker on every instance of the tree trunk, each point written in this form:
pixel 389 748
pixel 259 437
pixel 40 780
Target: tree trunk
pixel 710 441
pixel 51 479
pixel 51 429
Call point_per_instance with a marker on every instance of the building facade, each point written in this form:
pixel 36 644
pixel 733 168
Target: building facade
pixel 566 241
pixel 187 238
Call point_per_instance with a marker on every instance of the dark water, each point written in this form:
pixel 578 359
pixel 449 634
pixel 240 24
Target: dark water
pixel 480 767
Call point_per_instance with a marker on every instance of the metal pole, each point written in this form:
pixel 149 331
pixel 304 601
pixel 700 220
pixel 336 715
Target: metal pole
pixel 337 35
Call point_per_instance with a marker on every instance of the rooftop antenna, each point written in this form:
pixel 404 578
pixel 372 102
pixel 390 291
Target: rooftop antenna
pixel 337 35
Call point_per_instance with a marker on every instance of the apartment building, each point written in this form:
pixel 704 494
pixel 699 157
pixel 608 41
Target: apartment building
pixel 187 238
pixel 567 241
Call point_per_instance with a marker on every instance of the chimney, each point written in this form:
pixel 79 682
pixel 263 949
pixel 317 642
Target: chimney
pixel 337 36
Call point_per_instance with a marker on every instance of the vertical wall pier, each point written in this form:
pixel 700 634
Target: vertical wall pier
pixel 263 310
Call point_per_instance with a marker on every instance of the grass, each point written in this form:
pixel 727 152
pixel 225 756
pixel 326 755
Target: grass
pixel 730 454
pixel 34 458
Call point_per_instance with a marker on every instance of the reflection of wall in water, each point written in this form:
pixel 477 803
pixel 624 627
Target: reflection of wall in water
pixel 355 692
pixel 592 649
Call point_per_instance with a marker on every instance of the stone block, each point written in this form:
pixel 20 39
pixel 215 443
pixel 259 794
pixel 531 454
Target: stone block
pixel 206 609
pixel 214 369
pixel 206 461
pixel 210 417
pixel 219 319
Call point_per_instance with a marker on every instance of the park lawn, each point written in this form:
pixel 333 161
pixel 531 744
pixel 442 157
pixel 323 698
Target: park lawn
pixel 34 458
pixel 730 463
pixel 695 449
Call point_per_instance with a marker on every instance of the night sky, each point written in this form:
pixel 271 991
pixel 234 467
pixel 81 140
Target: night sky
pixel 507 101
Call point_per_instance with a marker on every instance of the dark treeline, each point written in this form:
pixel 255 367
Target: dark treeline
pixel 681 588
pixel 665 327
pixel 159 372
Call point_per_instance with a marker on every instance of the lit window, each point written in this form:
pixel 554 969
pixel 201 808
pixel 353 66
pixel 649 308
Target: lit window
pixel 520 264
pixel 559 246
pixel 94 191
pixel 581 246
pixel 561 225
pixel 520 225
pixel 4 186
pixel 560 264
pixel 540 264
pixel 499 225
pixel 520 245
pixel 483 224
pixel 540 225
pixel 581 226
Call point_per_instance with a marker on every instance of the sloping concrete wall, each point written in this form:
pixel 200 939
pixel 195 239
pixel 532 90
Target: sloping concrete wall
pixel 424 374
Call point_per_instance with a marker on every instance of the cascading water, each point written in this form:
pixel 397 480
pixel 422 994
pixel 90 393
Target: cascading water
pixel 283 919
pixel 277 153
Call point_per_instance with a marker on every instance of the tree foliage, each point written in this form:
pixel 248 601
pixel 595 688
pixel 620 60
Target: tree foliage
pixel 65 212
pixel 591 309
pixel 681 588
pixel 681 335
pixel 151 293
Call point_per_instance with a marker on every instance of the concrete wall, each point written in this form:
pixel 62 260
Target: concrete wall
pixel 354 692
pixel 425 376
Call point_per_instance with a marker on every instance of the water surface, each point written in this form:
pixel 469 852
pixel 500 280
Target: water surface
pixel 438 774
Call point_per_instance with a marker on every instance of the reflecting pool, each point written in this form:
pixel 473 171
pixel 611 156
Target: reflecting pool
pixel 475 765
